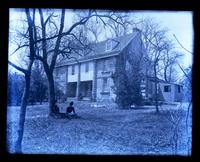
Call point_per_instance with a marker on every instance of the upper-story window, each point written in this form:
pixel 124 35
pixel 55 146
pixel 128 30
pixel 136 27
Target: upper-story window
pixel 109 45
pixel 151 88
pixel 86 67
pixel 104 65
pixel 73 69
pixel 167 88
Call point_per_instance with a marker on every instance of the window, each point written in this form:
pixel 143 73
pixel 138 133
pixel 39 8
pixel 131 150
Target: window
pixel 167 88
pixel 104 65
pixel 179 89
pixel 73 69
pixel 86 67
pixel 109 45
pixel 105 85
pixel 151 88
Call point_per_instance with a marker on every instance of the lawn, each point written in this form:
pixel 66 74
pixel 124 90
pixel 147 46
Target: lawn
pixel 100 130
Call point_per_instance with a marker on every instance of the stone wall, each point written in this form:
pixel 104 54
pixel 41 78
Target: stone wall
pixel 105 69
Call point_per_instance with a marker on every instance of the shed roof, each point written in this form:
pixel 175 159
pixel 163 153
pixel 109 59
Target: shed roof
pixel 153 79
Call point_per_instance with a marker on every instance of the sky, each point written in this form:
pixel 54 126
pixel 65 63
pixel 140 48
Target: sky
pixel 178 23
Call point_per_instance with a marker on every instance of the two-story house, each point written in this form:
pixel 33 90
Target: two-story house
pixel 90 77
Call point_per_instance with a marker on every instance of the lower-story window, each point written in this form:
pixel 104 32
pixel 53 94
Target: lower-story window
pixel 105 86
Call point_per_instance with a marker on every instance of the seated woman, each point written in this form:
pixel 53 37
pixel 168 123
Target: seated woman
pixel 70 112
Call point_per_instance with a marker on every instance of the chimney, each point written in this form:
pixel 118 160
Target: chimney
pixel 136 30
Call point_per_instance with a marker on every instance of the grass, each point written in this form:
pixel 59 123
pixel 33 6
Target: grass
pixel 98 131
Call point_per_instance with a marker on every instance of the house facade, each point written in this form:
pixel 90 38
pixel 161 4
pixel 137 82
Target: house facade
pixel 89 77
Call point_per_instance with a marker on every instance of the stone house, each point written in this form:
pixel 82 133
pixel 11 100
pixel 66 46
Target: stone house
pixel 89 77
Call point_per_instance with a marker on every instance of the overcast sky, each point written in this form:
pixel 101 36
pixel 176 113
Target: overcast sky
pixel 178 23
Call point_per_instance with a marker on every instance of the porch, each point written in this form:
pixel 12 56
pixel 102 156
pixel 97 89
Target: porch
pixel 81 92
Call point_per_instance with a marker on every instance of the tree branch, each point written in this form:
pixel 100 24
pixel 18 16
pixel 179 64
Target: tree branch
pixel 18 48
pixel 17 67
pixel 182 45
pixel 81 22
pixel 185 73
pixel 53 60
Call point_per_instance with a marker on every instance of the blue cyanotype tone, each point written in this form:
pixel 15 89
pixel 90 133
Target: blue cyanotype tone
pixel 94 82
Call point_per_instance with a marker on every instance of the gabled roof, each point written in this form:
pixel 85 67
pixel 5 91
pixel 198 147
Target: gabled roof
pixel 98 50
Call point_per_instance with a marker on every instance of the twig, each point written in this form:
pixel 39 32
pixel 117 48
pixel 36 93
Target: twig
pixel 185 73
pixel 182 45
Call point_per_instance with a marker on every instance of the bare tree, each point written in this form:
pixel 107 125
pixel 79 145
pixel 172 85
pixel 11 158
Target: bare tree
pixel 94 28
pixel 169 63
pixel 177 117
pixel 27 75
pixel 155 43
pixel 118 30
pixel 188 89
pixel 161 58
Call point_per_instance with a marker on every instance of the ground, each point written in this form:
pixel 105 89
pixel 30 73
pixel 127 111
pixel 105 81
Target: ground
pixel 100 130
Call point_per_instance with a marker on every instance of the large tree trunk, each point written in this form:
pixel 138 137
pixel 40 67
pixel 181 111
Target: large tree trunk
pixel 27 73
pixel 20 132
pixel 52 108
